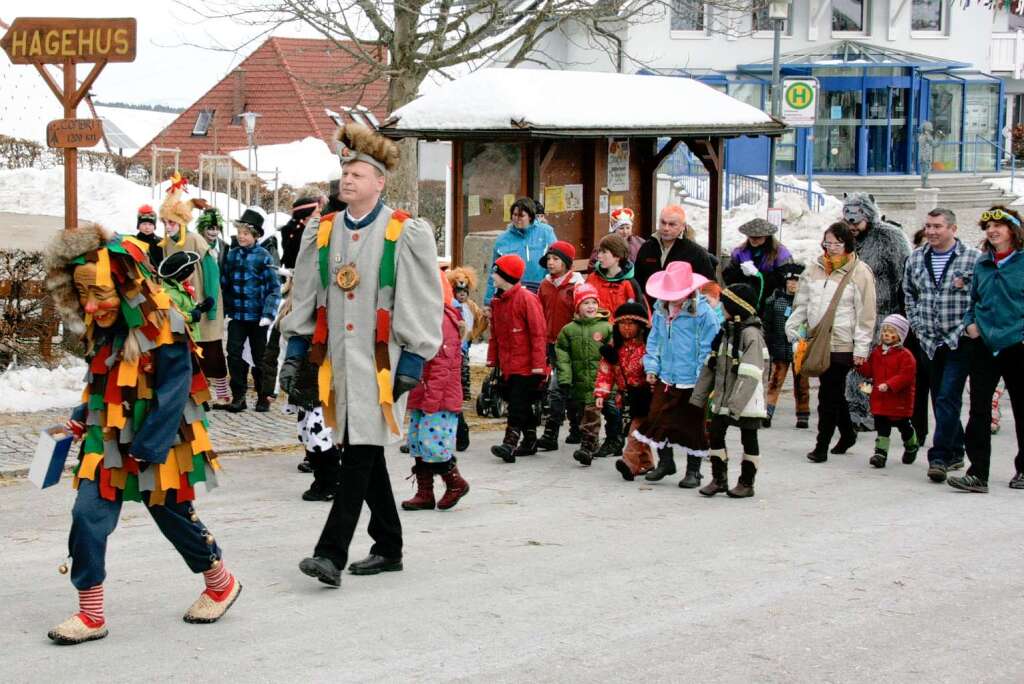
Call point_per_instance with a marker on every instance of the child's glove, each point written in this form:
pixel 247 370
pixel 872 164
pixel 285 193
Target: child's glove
pixel 205 305
pixel 748 268
pixel 264 322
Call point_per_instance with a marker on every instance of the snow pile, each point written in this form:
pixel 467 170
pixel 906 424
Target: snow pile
pixel 1003 184
pixel 492 99
pixel 478 354
pixel 304 161
pixel 103 197
pixel 38 389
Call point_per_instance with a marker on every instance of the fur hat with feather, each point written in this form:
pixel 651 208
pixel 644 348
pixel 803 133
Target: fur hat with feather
pixel 176 208
pixel 359 143
pixel 65 247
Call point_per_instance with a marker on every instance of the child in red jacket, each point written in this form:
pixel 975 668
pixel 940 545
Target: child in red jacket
pixel 892 368
pixel 435 405
pixel 517 347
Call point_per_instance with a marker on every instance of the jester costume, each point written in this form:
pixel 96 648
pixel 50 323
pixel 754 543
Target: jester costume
pixel 145 433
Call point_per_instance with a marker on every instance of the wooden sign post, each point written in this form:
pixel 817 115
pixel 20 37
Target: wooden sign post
pixel 41 41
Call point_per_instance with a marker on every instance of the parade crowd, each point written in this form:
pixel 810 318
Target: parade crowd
pixel 660 345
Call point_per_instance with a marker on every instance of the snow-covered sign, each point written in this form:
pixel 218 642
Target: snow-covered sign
pixel 575 101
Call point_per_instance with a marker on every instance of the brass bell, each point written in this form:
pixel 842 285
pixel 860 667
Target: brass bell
pixel 194 517
pixel 209 539
pixel 215 564
pixel 63 568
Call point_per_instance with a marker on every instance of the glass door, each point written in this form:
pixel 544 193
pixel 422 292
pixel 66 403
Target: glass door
pixel 886 123
pixel 835 134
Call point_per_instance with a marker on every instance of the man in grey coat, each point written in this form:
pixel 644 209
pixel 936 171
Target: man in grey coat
pixel 367 307
pixel 885 248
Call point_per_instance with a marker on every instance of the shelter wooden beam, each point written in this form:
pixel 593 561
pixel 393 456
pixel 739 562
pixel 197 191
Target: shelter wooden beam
pixel 711 152
pixel 458 228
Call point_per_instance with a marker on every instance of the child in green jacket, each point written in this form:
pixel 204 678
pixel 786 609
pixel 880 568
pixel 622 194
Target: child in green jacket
pixel 578 355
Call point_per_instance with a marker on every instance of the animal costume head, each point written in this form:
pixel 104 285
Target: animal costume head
pixel 860 206
pixel 178 209
pixel 462 278
pixel 356 142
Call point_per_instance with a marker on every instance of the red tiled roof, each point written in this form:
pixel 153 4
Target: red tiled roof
pixel 289 82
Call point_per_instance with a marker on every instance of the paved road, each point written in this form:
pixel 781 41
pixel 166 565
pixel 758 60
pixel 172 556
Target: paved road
pixel 27 231
pixel 551 572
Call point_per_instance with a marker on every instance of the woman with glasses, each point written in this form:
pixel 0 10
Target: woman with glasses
pixel 852 329
pixel 996 317
pixel 528 238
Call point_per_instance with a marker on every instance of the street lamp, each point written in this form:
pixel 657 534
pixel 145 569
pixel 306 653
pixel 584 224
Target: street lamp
pixel 249 119
pixel 778 11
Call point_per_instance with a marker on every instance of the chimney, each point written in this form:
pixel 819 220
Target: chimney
pixel 238 98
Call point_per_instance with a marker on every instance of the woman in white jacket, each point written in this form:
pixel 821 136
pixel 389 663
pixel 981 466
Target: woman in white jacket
pixel 852 330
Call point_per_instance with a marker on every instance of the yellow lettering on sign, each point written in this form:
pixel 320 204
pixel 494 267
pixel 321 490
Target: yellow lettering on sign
pixel 85 41
pixel 52 42
pixel 19 42
pixel 121 42
pixel 66 46
pixel 100 47
pixel 37 45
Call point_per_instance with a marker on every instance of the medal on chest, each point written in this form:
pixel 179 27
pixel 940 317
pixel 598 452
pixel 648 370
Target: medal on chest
pixel 348 277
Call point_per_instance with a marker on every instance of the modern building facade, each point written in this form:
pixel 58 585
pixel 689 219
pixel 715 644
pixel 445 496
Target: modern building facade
pixel 884 67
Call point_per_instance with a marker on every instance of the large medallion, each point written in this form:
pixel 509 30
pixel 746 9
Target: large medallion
pixel 348 277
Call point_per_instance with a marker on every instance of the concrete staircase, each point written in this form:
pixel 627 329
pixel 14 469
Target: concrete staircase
pixel 896 193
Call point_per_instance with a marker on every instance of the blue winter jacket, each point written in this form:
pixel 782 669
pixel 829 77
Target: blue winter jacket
pixel 530 244
pixel 997 301
pixel 676 352
pixel 250 285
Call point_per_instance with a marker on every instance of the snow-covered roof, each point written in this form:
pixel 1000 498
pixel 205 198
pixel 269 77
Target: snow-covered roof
pixel 542 102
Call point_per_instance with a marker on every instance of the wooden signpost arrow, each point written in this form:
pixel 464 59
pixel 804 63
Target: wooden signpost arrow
pixel 41 41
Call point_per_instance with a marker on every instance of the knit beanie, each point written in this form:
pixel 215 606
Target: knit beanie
pixel 561 249
pixel 581 294
pixel 510 267
pixel 632 311
pixel 146 215
pixel 901 324
pixel 616 244
pixel 739 301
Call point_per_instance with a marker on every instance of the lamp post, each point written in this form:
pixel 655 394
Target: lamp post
pixel 249 119
pixel 778 11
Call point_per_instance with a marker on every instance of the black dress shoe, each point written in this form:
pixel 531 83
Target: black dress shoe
pixel 373 564
pixel 237 406
pixel 323 569
pixel 263 405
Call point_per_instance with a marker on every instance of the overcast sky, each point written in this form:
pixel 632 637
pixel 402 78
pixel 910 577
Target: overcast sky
pixel 165 70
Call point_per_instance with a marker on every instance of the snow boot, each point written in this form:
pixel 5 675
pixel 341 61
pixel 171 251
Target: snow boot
pixel 745 487
pixel 845 443
pixel 881 454
pixel 506 450
pixel 575 436
pixel 612 446
pixel 624 470
pixel 549 440
pixel 585 454
pixel 527 447
pixel 423 500
pixel 666 466
pixel 462 434
pixel 455 486
pixel 910 448
pixel 693 477
pixel 719 474
pixel 803 421
pixel 767 422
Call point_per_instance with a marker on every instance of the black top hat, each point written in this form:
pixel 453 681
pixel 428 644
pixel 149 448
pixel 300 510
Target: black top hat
pixel 253 220
pixel 178 266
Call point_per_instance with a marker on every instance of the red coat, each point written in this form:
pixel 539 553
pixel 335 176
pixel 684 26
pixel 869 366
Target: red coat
pixel 628 373
pixel 611 294
pixel 898 370
pixel 518 333
pixel 557 303
pixel 440 388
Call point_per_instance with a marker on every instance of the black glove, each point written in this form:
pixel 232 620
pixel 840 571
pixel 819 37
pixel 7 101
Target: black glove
pixel 205 305
pixel 289 369
pixel 610 354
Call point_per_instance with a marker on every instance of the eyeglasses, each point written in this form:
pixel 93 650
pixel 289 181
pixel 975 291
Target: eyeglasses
pixel 999 215
pixel 827 245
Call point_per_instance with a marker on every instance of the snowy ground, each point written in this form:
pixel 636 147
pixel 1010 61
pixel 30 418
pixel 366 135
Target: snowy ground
pixel 304 161
pixel 38 389
pixel 1004 185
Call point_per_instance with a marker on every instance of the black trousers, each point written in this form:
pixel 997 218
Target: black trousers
pixel 270 354
pixel 921 389
pixel 521 391
pixel 833 411
pixel 748 436
pixel 884 426
pixel 364 477
pixel 984 374
pixel 238 333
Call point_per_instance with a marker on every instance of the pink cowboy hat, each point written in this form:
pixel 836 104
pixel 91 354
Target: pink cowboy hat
pixel 676 282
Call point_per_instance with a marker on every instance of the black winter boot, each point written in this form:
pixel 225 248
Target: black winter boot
pixel 666 466
pixel 612 446
pixel 462 434
pixel 575 436
pixel 549 440
pixel 693 477
pixel 745 487
pixel 326 476
pixel 506 450
pixel 528 447
pixel 767 422
pixel 719 476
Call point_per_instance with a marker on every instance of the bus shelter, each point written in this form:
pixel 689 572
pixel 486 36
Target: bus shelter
pixel 583 143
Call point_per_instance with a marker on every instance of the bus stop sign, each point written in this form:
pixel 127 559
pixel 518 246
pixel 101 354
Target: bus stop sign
pixel 799 101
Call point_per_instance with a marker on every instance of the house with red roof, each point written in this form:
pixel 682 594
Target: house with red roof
pixel 298 86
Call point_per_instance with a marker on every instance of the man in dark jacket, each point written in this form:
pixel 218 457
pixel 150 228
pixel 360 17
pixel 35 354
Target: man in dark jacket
pixel 252 292
pixel 668 244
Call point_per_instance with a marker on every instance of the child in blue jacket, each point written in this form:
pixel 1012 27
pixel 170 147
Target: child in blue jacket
pixel 682 331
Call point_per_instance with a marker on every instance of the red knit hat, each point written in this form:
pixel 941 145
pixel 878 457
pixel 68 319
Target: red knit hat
pixel 510 267
pixel 146 214
pixel 561 249
pixel 582 293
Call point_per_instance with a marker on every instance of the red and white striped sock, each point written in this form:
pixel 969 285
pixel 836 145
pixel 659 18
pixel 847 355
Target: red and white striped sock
pixel 220 388
pixel 218 580
pixel 90 605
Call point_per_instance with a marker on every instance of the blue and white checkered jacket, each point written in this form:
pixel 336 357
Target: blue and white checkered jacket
pixel 250 284
pixel 936 312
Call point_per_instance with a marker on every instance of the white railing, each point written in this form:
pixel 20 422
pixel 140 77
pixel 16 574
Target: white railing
pixel 1006 53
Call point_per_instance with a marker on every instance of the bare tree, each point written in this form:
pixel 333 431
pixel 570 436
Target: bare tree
pixel 404 43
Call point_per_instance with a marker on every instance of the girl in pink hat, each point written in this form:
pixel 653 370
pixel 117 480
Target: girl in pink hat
pixel 682 330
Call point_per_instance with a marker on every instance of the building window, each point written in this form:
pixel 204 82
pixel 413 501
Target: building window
pixel 687 15
pixel 760 21
pixel 849 15
pixel 203 122
pixel 928 15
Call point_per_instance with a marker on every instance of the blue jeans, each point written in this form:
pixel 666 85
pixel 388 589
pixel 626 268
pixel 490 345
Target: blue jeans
pixel 947 375
pixel 94 518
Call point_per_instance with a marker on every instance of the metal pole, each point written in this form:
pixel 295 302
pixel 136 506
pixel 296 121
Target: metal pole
pixel 776 107
pixel 809 162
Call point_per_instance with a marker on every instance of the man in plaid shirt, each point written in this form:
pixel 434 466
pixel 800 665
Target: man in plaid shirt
pixel 252 292
pixel 937 288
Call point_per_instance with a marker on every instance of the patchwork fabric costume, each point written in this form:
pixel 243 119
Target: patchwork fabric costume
pixel 145 433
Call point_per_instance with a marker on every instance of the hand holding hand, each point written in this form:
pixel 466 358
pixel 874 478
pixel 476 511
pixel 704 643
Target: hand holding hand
pixel 883 387
pixel 973 331
pixel 859 360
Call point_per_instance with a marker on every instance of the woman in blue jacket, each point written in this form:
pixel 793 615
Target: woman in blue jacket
pixel 996 320
pixel 527 238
